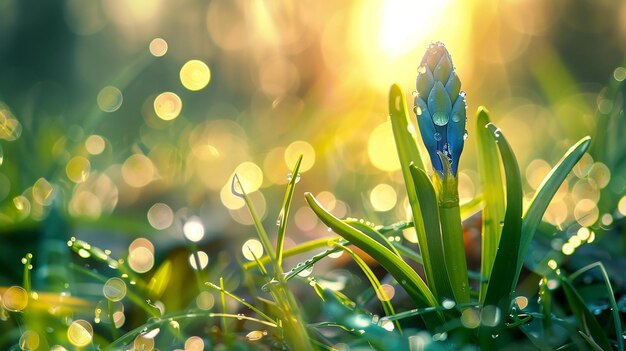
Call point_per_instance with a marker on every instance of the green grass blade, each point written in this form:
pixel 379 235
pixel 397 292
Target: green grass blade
pixel 284 212
pixel 545 192
pixel 238 190
pixel 472 207
pixel 223 305
pixel 159 281
pixel 296 250
pixel 400 270
pixel 372 233
pixel 610 295
pixel 408 153
pixel 293 322
pixel 384 299
pixel 587 323
pixel 440 279
pixel 403 130
pixel 545 305
pixel 220 288
pixel 502 279
pixel 493 193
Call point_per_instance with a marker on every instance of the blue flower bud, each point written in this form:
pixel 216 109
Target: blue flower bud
pixel 440 107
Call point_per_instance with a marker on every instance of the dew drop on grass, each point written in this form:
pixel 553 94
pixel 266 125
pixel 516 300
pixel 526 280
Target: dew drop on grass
pixel 448 304
pixel 306 272
pixel 281 217
pixel 255 335
pixel 386 324
pixel 290 176
pixel 437 136
pixel 456 117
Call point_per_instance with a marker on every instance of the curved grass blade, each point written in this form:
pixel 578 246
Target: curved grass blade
pixel 403 130
pixel 373 233
pixel 589 327
pixel 222 291
pixel 440 279
pixel 472 207
pixel 296 250
pixel 493 192
pixel 408 153
pixel 544 194
pixel 502 280
pixel 610 295
pixel 284 212
pixel 384 299
pixel 400 270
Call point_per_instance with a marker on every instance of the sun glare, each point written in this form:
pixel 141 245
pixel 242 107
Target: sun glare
pixel 406 24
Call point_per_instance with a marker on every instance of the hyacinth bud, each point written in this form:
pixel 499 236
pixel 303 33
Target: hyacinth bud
pixel 440 107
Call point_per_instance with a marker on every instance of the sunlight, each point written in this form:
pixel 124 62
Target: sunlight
pixel 406 24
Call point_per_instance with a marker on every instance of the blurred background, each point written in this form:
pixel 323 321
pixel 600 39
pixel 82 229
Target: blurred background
pixel 129 118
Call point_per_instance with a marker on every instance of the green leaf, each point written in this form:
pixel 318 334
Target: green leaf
pixel 380 292
pixel 400 270
pixel 545 193
pixel 238 190
pixel 408 153
pixel 284 212
pixel 296 250
pixel 160 280
pixel 502 279
pixel 372 233
pixel 403 130
pixel 617 323
pixel 440 279
pixel 472 207
pixel 493 193
pixel 589 327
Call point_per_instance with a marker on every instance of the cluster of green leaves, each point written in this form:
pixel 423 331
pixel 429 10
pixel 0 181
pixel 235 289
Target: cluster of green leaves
pixel 507 234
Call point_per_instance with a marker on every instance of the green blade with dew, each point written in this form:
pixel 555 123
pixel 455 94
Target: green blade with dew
pixel 551 183
pixel 292 323
pixel 587 323
pixel 617 324
pixel 383 297
pixel 502 279
pixel 408 153
pixel 237 190
pixel 159 281
pixel 400 270
pixel 372 233
pixel 284 211
pixel 493 193
pixel 440 279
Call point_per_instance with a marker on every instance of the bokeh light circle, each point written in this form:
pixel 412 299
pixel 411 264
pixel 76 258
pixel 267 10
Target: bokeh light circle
pixel 167 106
pixel 109 99
pixel 195 75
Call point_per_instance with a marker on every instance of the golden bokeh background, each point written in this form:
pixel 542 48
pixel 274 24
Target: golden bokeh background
pixel 142 111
